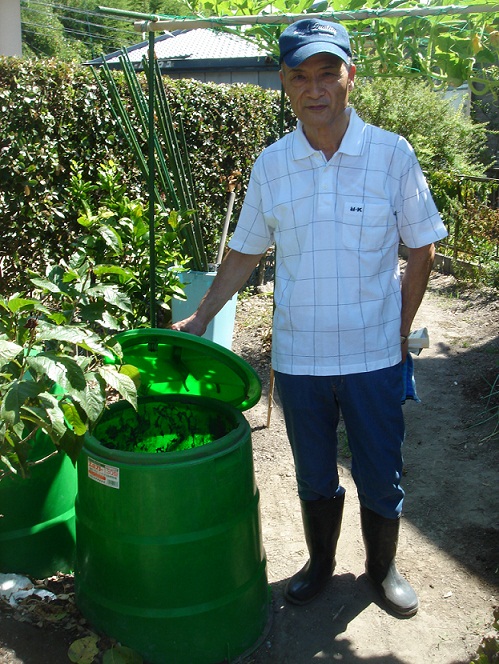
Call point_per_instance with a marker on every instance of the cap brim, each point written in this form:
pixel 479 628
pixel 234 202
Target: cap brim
pixel 295 58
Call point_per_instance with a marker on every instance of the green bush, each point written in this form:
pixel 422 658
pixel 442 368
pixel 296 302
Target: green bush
pixel 53 114
pixel 444 139
pixel 449 145
pixel 114 253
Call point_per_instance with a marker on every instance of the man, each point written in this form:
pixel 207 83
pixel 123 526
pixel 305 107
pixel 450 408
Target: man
pixel 336 196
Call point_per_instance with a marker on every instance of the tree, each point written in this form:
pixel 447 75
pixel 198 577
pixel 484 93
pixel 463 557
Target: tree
pixel 74 30
pixel 391 38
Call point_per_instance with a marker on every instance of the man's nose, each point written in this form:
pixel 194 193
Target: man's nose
pixel 315 87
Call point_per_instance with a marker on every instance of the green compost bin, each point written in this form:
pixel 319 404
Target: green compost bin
pixel 170 560
pixel 37 526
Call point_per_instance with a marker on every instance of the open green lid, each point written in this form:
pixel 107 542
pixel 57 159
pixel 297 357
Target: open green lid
pixel 172 362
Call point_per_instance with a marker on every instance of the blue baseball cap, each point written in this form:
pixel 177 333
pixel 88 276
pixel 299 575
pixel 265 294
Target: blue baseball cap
pixel 309 36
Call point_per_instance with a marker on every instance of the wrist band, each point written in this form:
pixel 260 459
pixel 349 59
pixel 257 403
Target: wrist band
pixel 403 339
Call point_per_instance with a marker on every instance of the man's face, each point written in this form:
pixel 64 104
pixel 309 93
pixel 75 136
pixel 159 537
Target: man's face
pixel 318 89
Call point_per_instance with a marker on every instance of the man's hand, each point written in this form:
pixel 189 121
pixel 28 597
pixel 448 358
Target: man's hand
pixel 414 282
pixel 190 325
pixel 404 347
pixel 232 274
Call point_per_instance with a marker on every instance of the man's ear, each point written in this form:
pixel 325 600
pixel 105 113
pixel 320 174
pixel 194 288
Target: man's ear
pixel 351 77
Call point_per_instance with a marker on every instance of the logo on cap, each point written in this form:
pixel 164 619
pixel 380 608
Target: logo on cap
pixel 324 28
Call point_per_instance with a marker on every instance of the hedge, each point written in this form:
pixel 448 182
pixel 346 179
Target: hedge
pixel 53 114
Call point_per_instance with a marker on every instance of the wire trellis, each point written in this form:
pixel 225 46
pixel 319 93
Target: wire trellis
pixel 447 43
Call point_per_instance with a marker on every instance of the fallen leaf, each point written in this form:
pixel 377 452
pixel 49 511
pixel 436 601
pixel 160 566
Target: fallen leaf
pixel 83 651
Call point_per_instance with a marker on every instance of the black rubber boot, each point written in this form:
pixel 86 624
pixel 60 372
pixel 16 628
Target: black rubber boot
pixel 322 524
pixel 380 539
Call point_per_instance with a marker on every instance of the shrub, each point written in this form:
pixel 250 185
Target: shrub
pixel 444 139
pixel 54 114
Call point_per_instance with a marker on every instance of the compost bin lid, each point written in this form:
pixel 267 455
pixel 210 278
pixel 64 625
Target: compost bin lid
pixel 172 362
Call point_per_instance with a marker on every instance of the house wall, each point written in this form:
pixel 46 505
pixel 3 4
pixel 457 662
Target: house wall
pixel 10 28
pixel 265 79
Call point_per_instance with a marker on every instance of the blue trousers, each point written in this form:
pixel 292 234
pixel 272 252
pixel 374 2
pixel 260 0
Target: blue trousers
pixel 371 408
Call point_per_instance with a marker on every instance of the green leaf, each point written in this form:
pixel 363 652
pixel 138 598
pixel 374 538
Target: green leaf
pixel 48 416
pixel 111 238
pixel 93 399
pixel 73 418
pixel 133 372
pixel 57 317
pixel 122 383
pixel 46 285
pixel 15 397
pixel 78 336
pixel 71 444
pixel 41 364
pixel 109 322
pixel 65 371
pixel 18 303
pixel 124 272
pixel 8 351
pixel 112 295
pixel 52 366
pixel 73 377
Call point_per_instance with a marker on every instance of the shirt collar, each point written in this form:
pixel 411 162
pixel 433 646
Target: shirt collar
pixel 352 142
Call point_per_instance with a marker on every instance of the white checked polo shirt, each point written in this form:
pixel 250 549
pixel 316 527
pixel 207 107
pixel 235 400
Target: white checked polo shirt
pixel 336 226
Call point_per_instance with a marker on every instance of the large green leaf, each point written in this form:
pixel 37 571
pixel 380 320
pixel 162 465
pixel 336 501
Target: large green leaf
pixel 65 371
pixel 112 295
pixel 21 303
pixel 122 383
pixel 109 322
pixel 111 238
pixel 18 393
pixel 72 444
pixel 41 364
pixel 8 351
pixel 71 334
pixel 93 399
pixel 48 416
pixel 74 376
pixel 124 272
pixel 73 418
pixel 78 336
pixel 55 413
pixel 98 312
pixel 45 284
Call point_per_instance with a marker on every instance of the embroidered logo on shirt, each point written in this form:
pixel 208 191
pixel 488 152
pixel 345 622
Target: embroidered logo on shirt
pixel 355 208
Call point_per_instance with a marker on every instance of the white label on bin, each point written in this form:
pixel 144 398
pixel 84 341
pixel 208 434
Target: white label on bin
pixel 104 474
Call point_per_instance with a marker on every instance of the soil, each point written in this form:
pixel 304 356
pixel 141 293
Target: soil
pixel 449 539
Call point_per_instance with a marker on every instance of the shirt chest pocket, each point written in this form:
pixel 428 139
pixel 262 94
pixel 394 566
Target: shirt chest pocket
pixel 368 226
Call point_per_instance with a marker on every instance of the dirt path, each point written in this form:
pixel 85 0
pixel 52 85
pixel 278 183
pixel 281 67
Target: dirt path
pixel 449 538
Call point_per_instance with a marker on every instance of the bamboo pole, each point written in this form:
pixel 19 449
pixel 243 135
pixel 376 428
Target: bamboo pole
pixel 151 190
pixel 221 247
pixel 169 24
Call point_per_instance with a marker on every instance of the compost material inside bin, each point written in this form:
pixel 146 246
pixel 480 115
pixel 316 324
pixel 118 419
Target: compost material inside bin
pixel 160 427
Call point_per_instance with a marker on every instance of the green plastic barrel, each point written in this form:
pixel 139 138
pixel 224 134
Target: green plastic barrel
pixel 37 529
pixel 169 554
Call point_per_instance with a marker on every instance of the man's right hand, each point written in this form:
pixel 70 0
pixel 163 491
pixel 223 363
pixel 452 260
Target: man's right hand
pixel 232 274
pixel 191 325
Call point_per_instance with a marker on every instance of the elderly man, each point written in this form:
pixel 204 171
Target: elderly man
pixel 335 197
